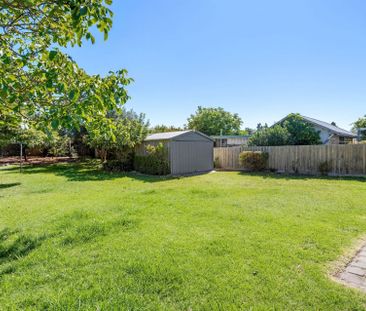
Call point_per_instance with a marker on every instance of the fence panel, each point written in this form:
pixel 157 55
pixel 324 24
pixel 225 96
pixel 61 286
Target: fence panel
pixel 341 159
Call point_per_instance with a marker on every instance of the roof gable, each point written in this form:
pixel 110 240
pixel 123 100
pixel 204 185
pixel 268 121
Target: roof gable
pixel 173 135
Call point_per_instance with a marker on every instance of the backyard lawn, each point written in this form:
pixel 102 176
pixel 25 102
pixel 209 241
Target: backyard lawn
pixel 74 238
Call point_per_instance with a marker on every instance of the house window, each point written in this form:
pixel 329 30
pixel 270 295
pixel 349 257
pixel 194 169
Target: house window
pixel 220 142
pixel 344 140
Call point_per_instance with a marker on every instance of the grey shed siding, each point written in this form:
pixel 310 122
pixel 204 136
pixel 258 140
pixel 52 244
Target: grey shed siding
pixel 191 156
pixel 188 151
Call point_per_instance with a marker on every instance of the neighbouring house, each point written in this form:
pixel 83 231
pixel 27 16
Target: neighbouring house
pixel 230 140
pixel 187 151
pixel 329 134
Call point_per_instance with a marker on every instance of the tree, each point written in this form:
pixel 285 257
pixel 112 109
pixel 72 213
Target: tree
pixel 294 130
pixel 128 129
pixel 52 143
pixel 214 121
pixel 40 84
pixel 270 136
pixel 261 127
pixel 360 123
pixel 164 128
pixel 300 131
pixel 247 131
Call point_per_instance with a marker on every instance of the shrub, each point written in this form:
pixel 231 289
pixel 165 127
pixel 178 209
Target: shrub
pixel 271 136
pixel 155 162
pixel 253 160
pixel 118 166
pixel 324 168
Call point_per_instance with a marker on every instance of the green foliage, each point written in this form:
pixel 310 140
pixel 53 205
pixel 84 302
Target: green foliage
pixel 211 121
pixel 300 131
pixel 360 123
pixel 254 161
pixel 294 130
pixel 52 143
pixel 58 145
pixel 125 165
pixel 164 128
pixel 41 85
pixel 127 129
pixel 155 162
pixel 270 136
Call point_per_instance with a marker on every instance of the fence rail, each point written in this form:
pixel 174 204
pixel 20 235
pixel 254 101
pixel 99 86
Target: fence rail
pixel 341 159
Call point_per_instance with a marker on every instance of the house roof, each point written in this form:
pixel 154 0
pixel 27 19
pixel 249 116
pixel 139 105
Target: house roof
pixel 172 135
pixel 334 129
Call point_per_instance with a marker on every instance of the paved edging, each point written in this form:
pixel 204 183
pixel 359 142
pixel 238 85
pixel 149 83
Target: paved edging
pixel 354 274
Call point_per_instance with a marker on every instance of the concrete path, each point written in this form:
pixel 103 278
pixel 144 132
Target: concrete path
pixel 354 274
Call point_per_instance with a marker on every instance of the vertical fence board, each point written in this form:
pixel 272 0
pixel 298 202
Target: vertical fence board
pixel 342 159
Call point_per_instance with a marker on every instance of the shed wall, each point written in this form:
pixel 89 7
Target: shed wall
pixel 191 156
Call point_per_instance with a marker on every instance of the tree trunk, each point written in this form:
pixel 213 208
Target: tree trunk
pixel 25 154
pixel 103 155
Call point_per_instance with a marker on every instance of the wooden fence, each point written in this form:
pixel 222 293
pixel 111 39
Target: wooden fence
pixel 341 159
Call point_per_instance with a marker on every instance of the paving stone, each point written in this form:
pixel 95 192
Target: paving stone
pixel 352 278
pixel 356 270
pixel 355 273
pixel 359 263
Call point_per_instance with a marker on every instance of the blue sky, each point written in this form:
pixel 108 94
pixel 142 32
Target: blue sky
pixel 262 59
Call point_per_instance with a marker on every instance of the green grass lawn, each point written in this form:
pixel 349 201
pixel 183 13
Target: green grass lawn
pixel 74 238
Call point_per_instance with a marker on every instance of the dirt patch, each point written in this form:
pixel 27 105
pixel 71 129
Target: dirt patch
pixel 35 160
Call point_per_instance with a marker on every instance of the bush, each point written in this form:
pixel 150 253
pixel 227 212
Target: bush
pixel 118 166
pixel 271 136
pixel 155 162
pixel 253 160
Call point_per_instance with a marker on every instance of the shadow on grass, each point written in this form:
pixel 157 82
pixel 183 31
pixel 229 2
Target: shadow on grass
pixel 85 171
pixel 13 246
pixel 267 175
pixel 4 186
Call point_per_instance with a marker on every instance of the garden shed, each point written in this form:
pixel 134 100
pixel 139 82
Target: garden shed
pixel 187 151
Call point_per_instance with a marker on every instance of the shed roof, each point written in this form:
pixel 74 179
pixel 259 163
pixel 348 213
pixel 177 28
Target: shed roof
pixel 333 128
pixel 172 135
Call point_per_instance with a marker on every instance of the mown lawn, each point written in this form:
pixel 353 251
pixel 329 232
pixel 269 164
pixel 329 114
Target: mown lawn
pixel 73 238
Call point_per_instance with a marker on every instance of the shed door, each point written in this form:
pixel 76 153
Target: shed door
pixel 191 156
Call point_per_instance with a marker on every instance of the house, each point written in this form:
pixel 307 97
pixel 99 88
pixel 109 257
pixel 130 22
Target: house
pixel 329 133
pixel 230 140
pixel 187 151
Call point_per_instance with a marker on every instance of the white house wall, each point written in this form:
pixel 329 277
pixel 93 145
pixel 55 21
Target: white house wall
pixel 324 134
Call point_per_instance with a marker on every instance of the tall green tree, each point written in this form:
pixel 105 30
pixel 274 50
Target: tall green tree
pixel 161 128
pixel 129 129
pixel 300 131
pixel 270 136
pixel 213 121
pixel 360 123
pixel 41 84
pixel 294 130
